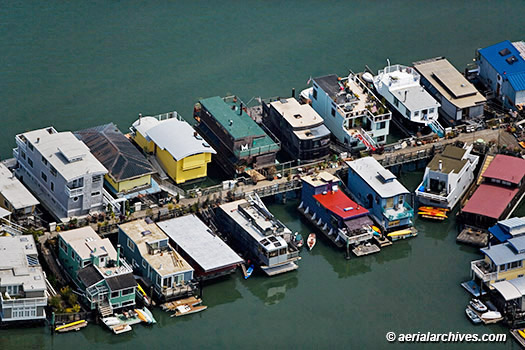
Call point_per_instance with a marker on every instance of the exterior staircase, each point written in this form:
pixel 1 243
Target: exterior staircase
pixel 369 142
pixel 437 128
pixel 104 309
pixel 486 163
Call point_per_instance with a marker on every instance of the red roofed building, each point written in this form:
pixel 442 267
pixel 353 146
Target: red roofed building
pixel 501 188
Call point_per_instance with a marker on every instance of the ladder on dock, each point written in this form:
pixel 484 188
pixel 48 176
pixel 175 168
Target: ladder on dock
pixel 437 128
pixel 486 163
pixel 244 272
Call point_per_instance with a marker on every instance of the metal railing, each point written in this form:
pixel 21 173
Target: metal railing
pixel 393 214
pixel 485 276
pixel 74 192
pixel 22 302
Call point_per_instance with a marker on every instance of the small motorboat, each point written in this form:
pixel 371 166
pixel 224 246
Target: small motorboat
pixel 249 272
pixel 472 316
pixel 491 315
pixel 311 241
pixel 478 305
pixel 110 321
pixel 298 240
pixel 182 310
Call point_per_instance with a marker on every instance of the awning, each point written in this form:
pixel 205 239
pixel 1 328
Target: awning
pixel 507 290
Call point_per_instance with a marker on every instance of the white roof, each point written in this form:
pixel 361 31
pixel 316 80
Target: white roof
pixel 369 169
pixel 85 241
pixel 296 114
pixel 13 190
pixel 415 98
pixel 15 267
pixel 195 238
pixel 508 290
pixel 56 147
pixel 173 135
pixel 4 213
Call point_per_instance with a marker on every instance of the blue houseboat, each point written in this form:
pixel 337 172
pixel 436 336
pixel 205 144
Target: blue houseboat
pixel 378 190
pixel 339 218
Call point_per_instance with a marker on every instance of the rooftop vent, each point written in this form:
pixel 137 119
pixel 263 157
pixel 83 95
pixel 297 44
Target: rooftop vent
pixel 504 52
pixel 511 60
pixel 297 116
pixel 146 233
pixel 348 208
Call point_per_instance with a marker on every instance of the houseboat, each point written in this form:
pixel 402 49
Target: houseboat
pixel 494 199
pixel 400 86
pixel 507 229
pixel 301 130
pixel 447 177
pixel 253 230
pixel 339 218
pixel 379 191
pixel 351 111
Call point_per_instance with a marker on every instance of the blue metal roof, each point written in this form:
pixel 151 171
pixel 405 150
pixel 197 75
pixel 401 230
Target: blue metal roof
pixel 504 253
pixel 518 243
pixel 499 62
pixel 511 223
pixel 517 81
pixel 499 233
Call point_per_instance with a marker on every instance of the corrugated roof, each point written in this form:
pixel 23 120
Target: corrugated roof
pixel 122 159
pixel 504 253
pixel 506 168
pixel 368 168
pixel 490 200
pixel 89 276
pixel 517 81
pixel 241 124
pixel 196 240
pixel 512 223
pixel 499 62
pixel 339 204
pixel 122 281
pixel 507 290
pixel 499 233
pixel 518 243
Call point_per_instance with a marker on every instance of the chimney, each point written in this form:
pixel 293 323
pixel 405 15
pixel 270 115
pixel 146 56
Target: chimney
pixel 37 139
pixel 231 122
pixel 440 165
pixel 293 92
pixel 140 118
pixel 118 255
pixel 240 109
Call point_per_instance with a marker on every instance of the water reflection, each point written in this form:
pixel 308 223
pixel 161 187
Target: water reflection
pixel 272 290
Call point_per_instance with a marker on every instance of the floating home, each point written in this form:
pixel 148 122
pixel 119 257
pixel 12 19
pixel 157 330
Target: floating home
pixel 14 196
pixel 105 281
pixel 301 130
pixel 240 142
pixel 351 111
pixel 162 270
pixel 61 171
pixel 22 282
pixel 179 150
pixel 339 218
pixel 379 191
pixel 507 229
pixel 509 296
pixel 447 177
pixel 400 86
pixel 494 199
pixel 205 251
pixel 501 262
pixel 129 172
pixel 459 99
pixel 254 231
pixel 502 70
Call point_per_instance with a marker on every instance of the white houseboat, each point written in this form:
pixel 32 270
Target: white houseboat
pixel 447 177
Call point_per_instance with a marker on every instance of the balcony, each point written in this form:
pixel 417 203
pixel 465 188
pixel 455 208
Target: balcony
pixel 22 302
pixel 21 142
pixel 74 192
pixel 355 239
pixel 402 212
pixel 485 271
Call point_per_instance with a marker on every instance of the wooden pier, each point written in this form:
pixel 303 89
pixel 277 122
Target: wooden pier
pixel 365 249
pixel 473 236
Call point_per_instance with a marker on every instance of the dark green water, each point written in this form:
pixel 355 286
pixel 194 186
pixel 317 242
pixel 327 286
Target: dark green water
pixel 79 64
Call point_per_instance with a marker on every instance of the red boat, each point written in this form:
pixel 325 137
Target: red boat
pixel 311 241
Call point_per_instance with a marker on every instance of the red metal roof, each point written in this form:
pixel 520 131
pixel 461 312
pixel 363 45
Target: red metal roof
pixel 490 200
pixel 506 168
pixel 339 204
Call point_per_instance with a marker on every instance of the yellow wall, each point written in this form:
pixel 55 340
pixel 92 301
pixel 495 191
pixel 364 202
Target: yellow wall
pixel 189 168
pixel 143 143
pixel 127 185
pixel 509 274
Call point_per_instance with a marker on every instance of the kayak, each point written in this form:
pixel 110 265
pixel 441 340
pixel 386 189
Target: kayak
pixel 249 272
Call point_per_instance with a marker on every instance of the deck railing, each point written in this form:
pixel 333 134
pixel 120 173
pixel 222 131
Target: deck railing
pixel 485 276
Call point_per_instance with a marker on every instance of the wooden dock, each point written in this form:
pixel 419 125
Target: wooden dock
pixel 364 249
pixel 244 272
pixel 172 305
pixel 473 236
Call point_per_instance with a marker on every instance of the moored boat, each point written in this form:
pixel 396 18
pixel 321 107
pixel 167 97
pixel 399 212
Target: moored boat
pixel 249 272
pixel 472 316
pixel 478 305
pixel 490 315
pixel 311 241
pixel 183 310
pixel 298 240
pixel 145 315
pixel 71 326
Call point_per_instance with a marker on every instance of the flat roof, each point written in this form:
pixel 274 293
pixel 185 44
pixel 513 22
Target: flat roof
pixel 313 133
pixel 173 135
pixel 450 83
pixel 14 191
pixel 506 168
pixel 85 241
pixel 167 263
pixel 338 203
pixel 299 116
pixel 58 147
pixel 19 263
pixel 235 121
pixel 451 160
pixel 490 200
pixel 320 179
pixel 415 97
pixel 115 151
pixel 504 253
pixel 329 84
pixel 368 168
pixel 195 239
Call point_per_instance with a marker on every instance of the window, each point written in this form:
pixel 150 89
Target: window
pixel 52 170
pixel 389 203
pixel 115 294
pixel 407 113
pixel 128 302
pixel 382 125
pixel 93 194
pixel 381 138
pixel 96 178
pixel 30 145
pixel 143 263
pixel 44 160
pixel 315 93
pixel 115 306
pixel 23 154
pixel 431 110
pixel 128 291
pixel 72 254
pixel 63 246
pixel 30 162
pixel 416 114
pixel 44 176
pixel 52 186
pixel 502 267
pixel 396 102
pixel 131 245
pixel 333 112
pixel 12 290
pixel 75 199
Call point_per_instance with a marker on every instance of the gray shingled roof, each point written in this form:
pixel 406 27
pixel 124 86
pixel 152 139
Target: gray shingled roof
pixel 122 159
